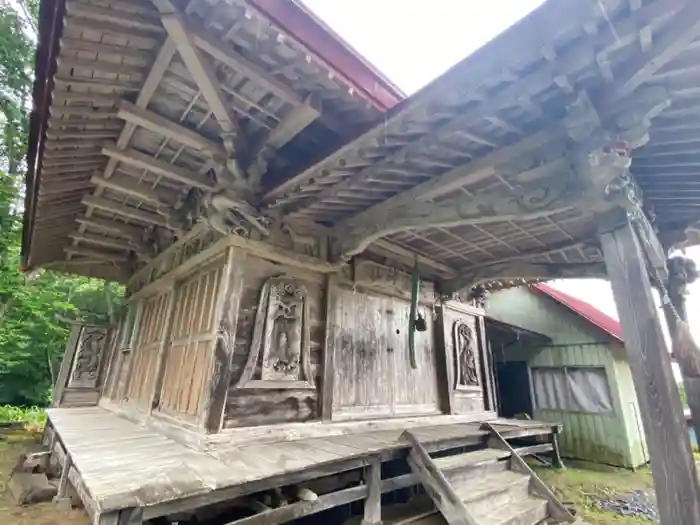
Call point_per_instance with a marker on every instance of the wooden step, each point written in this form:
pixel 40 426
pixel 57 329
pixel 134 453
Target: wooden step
pixel 528 511
pixel 481 495
pixel 470 459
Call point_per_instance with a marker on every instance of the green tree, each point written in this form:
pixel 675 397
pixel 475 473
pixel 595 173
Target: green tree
pixel 33 307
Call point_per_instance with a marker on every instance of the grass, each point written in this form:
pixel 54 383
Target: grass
pixel 34 418
pixel 578 486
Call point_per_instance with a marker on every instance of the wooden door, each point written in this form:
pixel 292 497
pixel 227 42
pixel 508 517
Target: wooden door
pixel 144 360
pixel 362 386
pixel 415 389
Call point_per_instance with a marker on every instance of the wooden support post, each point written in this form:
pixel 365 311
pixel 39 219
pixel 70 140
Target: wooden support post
pixel 329 351
pixel 673 468
pixel 373 502
pixel 62 498
pixel 226 322
pixel 132 516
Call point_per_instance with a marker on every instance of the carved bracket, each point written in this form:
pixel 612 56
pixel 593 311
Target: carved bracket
pixel 279 353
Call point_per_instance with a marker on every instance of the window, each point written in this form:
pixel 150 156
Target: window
pixel 573 389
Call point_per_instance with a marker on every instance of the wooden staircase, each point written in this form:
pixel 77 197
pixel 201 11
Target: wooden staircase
pixel 493 486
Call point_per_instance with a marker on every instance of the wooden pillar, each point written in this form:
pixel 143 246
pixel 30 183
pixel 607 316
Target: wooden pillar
pixel 225 322
pixel 327 381
pixel 673 468
pixel 373 502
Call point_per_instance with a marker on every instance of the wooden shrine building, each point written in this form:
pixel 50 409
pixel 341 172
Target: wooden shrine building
pixel 305 250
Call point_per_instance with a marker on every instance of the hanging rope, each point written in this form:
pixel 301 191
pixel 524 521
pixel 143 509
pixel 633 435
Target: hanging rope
pixel 683 345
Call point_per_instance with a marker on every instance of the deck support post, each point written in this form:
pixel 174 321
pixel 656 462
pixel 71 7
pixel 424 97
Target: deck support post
pixel 673 468
pixel 373 502
pixel 62 499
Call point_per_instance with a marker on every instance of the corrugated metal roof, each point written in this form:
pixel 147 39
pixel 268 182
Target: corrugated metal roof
pixel 589 312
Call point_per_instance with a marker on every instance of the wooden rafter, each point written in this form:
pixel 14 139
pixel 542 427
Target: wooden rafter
pixel 158 167
pixel 130 187
pixel 680 31
pixel 160 65
pixel 118 229
pixel 153 122
pixel 205 78
pixel 114 258
pixel 108 242
pixel 129 212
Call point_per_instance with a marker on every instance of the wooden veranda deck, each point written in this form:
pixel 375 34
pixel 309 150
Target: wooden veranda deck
pixel 117 464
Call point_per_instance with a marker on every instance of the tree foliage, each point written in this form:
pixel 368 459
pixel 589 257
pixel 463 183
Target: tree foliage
pixel 34 308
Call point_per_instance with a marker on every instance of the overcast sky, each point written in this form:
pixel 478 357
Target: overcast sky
pixel 414 41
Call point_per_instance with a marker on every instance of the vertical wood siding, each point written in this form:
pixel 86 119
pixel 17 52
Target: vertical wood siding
pixel 191 341
pixel 148 340
pixel 373 376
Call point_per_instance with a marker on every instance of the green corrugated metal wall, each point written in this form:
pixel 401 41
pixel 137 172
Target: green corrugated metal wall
pixel 612 438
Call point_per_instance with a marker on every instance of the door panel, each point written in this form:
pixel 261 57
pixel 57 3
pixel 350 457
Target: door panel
pixel 415 389
pixel 362 383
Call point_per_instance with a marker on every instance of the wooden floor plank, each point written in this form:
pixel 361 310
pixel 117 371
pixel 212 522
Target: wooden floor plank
pixel 123 464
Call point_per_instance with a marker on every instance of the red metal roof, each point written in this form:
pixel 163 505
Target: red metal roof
pixel 588 312
pixel 345 62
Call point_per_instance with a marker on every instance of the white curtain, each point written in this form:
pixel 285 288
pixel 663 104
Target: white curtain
pixel 575 389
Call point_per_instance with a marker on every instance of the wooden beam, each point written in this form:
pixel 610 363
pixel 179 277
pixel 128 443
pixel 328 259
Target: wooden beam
pixel 531 202
pixel 158 167
pixel 119 229
pixel 672 464
pixel 114 16
pixel 126 211
pixel 680 31
pixel 107 242
pixel 131 187
pixel 153 122
pixel 93 254
pixel 474 171
pixel 201 71
pixel 226 321
pixel 226 54
pixel 516 270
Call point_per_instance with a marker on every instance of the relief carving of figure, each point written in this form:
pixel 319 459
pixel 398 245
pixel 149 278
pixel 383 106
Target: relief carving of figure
pixel 87 360
pixel 465 356
pixel 285 348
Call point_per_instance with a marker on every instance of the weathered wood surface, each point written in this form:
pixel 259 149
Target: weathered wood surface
pixel 257 402
pixel 556 509
pixel 436 485
pixel 673 468
pixel 122 464
pixel 373 376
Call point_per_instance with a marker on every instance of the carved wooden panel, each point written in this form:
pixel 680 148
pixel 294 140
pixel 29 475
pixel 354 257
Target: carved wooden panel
pixel 279 353
pixel 465 351
pixel 91 347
